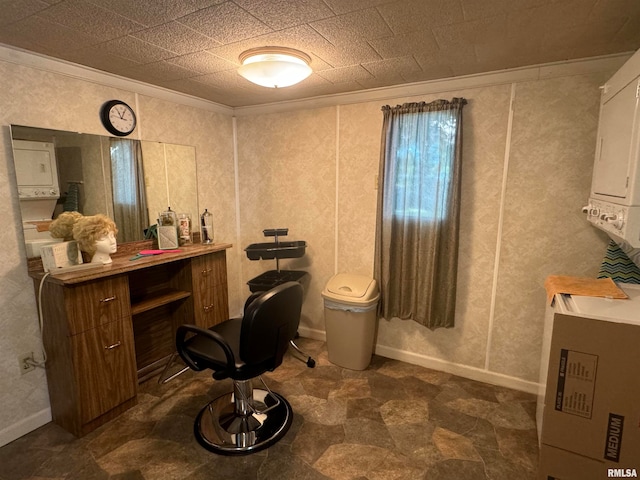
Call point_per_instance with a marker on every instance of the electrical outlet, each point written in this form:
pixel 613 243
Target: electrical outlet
pixel 24 365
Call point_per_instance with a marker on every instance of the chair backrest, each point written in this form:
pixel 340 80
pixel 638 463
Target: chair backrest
pixel 269 323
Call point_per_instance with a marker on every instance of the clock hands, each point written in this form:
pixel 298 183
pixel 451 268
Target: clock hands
pixel 120 113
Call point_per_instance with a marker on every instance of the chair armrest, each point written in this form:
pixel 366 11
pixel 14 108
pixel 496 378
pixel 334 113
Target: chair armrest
pixel 181 334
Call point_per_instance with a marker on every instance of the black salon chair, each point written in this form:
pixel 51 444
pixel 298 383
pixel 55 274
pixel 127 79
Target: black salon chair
pixel 249 419
pixel 300 355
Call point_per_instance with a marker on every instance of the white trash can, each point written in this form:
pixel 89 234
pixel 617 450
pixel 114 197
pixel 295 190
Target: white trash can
pixel 350 303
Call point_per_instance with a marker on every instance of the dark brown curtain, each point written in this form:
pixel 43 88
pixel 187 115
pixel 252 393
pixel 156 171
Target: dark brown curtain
pixel 416 257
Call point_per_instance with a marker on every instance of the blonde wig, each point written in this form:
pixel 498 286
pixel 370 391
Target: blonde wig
pixel 62 227
pixel 88 230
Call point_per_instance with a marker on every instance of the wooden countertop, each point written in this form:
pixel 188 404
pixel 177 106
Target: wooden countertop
pixel 122 262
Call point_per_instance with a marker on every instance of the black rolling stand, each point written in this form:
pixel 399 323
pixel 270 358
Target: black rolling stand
pixel 272 278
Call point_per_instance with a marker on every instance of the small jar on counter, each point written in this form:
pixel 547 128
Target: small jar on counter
pixel 184 229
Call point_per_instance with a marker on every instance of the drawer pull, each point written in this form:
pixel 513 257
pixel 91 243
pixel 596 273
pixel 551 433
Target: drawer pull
pixel 208 308
pixel 108 299
pixel 115 345
pixel 207 272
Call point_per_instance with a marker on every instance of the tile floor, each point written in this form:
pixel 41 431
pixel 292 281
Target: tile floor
pixel 391 421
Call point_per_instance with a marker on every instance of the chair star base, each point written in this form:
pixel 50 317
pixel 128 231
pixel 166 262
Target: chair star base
pixel 226 426
pixel 242 349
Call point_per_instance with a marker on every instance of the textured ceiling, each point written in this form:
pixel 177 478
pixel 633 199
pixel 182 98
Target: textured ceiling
pixel 192 46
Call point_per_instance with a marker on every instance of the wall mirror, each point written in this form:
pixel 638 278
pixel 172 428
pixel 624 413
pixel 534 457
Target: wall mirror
pixel 129 180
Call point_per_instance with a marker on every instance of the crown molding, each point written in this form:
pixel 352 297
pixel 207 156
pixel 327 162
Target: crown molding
pixel 80 72
pixel 608 63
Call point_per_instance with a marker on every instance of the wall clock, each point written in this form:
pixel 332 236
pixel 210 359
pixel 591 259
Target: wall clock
pixel 118 118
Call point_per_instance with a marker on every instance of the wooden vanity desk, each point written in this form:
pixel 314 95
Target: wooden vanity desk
pixel 105 330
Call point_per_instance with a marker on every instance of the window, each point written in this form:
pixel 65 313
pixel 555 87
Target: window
pixel 424 139
pixel 416 255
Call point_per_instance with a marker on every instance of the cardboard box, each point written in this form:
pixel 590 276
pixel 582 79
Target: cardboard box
pixel 60 255
pixel 557 464
pixel 592 406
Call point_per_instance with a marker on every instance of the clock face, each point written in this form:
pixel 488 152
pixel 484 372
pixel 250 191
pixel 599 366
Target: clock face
pixel 118 118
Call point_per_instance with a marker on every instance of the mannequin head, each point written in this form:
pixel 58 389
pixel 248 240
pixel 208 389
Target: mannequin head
pixel 105 246
pixel 96 236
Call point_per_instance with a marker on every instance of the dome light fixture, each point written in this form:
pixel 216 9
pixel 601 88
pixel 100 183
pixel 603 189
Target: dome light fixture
pixel 274 67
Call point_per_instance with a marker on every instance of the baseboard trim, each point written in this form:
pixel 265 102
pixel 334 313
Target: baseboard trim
pixel 465 371
pixel 24 426
pixel 312 333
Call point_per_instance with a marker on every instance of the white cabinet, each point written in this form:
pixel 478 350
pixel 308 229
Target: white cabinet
pixel 614 203
pixel 616 176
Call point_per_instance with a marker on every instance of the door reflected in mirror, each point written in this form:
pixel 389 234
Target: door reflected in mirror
pixel 130 181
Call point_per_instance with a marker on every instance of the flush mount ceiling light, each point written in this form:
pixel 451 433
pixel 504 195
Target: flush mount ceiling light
pixel 274 67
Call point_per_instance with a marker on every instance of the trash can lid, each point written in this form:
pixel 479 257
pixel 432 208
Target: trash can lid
pixel 351 288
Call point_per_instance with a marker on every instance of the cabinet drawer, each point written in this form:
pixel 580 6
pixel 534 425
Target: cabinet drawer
pixel 210 270
pixel 212 311
pixel 210 295
pixel 104 362
pixel 98 302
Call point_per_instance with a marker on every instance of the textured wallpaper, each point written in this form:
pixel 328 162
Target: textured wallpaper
pixel 287 172
pixel 545 232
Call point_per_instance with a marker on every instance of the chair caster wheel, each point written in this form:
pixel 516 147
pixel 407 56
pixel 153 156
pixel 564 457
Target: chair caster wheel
pixel 311 362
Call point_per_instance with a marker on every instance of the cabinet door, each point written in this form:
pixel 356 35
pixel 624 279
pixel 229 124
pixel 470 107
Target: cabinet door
pixel 616 143
pixel 104 362
pixel 98 302
pixel 210 296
